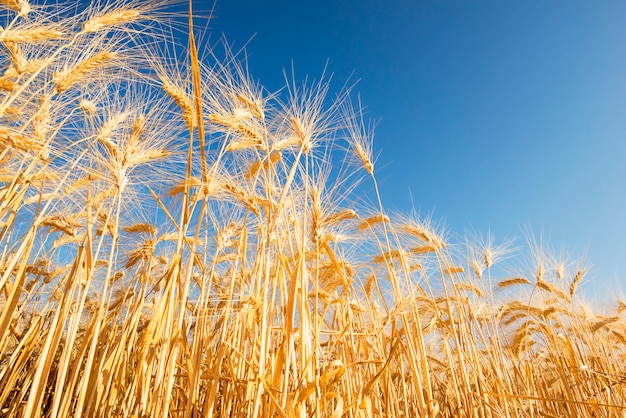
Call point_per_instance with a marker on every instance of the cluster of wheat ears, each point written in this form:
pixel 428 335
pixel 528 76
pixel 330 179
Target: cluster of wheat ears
pixel 177 241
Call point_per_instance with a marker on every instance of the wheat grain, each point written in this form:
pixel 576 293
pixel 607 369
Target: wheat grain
pixel 265 165
pixel 478 271
pixel 87 106
pixel 116 17
pixel 424 234
pixel 22 7
pixel 602 323
pixel 142 253
pixel 469 287
pixel 450 270
pixel 66 224
pixel 255 106
pixel 17 57
pixel 552 289
pixel 18 141
pixel 36 34
pixel 182 100
pixel 8 85
pixel 574 284
pixel 65 79
pixel 370 222
pixel 141 228
pixel 513 282
pixel 424 249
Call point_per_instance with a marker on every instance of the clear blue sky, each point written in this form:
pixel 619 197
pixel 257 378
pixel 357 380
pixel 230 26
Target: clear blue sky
pixel 493 115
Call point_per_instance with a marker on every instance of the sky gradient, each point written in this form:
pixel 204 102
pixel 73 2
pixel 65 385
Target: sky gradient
pixel 493 116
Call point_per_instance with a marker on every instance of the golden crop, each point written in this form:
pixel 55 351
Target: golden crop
pixel 176 241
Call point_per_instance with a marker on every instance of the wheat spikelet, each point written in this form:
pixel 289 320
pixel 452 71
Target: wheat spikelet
pixel 287 142
pixel 183 101
pixel 517 306
pixel 332 275
pixel 243 144
pixel 560 271
pixel 488 258
pixel 106 131
pixel 9 110
pixel 31 35
pixel 115 17
pixel 103 220
pixel 66 78
pixel 603 323
pixel 20 6
pixel 81 182
pixel 552 310
pixel 552 289
pixel 511 318
pixel 399 254
pixel 7 85
pixel 539 277
pixel 141 227
pixel 22 66
pixel 416 267
pixel 137 130
pixel 365 158
pixel 141 254
pixel 243 197
pixel 478 271
pixel 232 256
pixel 469 287
pixel 224 237
pixel 423 249
pixel 18 141
pixel 87 106
pixel 168 236
pixel 144 156
pixel 422 233
pixel 342 215
pixel 619 336
pixel 450 270
pixel 225 121
pixel 273 158
pixel 301 134
pixel 253 138
pixel 513 282
pixel 524 333
pixel 369 285
pixel 39 197
pixel 41 121
pixel 255 106
pixel 370 222
pixel 574 284
pixel 298 129
pixel 65 224
pixel 17 57
pixel 180 187
pixel 65 240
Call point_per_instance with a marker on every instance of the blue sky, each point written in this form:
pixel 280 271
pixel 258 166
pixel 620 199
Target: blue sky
pixel 491 115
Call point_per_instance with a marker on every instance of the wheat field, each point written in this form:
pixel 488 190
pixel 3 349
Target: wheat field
pixel 176 241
